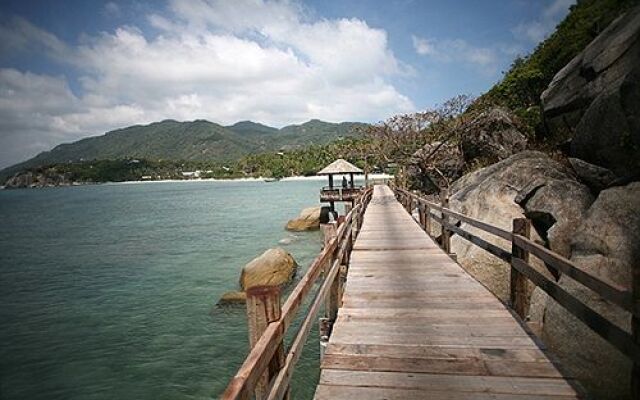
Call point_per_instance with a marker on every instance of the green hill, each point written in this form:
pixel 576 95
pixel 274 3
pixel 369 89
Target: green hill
pixel 198 140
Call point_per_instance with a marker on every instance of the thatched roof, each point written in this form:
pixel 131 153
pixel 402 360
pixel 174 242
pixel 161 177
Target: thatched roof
pixel 340 166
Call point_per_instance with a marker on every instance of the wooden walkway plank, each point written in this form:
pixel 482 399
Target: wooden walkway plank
pixel 415 325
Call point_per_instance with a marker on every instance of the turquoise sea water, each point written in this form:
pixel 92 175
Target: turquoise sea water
pixel 109 291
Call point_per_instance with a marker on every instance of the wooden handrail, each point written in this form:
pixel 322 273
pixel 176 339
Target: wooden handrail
pixel 522 247
pixel 243 384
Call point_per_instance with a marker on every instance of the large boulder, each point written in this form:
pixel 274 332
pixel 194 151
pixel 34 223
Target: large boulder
pixel 502 192
pixel 492 136
pixel 309 219
pixel 274 267
pixel 434 166
pixel 555 206
pixel 595 177
pixel 595 99
pixel 606 244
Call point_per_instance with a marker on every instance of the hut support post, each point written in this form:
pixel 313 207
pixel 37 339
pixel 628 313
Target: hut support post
pixel 263 308
pixel 518 284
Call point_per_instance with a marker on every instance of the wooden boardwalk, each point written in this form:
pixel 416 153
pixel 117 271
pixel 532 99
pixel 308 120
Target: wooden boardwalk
pixel 415 325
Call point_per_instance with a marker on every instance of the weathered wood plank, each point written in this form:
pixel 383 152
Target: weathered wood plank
pixel 329 392
pixel 452 366
pixel 416 351
pixel 450 383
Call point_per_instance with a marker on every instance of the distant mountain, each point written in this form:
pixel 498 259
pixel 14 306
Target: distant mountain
pixel 193 140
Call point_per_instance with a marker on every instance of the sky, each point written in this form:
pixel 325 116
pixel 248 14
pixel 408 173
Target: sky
pixel 77 68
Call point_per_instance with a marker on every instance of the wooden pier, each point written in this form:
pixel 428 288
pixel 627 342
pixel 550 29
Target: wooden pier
pixel 404 321
pixel 415 325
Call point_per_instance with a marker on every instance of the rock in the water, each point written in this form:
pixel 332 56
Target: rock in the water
pixel 606 244
pixel 434 165
pixel 597 178
pixel 309 219
pixel 492 136
pixel 274 267
pixel 595 99
pixel 489 195
pixel 234 297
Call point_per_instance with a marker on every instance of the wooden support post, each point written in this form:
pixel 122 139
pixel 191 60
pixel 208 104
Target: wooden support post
pixel 635 329
pixel 342 279
pixel 333 301
pixel 518 284
pixel 263 308
pixel 421 215
pixel 446 235
pixel 427 219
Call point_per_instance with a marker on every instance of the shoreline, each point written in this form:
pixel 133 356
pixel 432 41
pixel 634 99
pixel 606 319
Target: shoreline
pixel 258 179
pixel 358 178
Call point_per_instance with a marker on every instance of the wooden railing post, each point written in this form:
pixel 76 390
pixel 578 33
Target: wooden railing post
pixel 518 284
pixel 446 235
pixel 263 308
pixel 427 219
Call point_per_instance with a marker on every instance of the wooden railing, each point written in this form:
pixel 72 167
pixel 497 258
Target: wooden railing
pixel 267 370
pixel 522 247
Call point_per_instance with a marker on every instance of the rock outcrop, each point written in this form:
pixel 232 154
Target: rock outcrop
pixel 309 219
pixel 595 99
pixel 274 267
pixel 528 182
pixel 434 166
pixel 595 177
pixel 606 244
pixel 31 179
pixel 492 136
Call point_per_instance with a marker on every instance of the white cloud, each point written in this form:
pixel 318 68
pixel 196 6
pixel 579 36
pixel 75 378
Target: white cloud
pixel 112 9
pixel 458 51
pixel 223 61
pixel 537 30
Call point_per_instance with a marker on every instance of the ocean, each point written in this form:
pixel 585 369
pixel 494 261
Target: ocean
pixel 110 291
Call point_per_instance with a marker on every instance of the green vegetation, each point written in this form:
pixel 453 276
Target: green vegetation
pixel 529 76
pixel 199 140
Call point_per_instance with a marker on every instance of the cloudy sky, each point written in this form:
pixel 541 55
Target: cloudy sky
pixel 80 68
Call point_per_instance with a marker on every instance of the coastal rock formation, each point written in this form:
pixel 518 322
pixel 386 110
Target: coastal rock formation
pixel 595 99
pixel 434 166
pixel 273 268
pixel 595 177
pixel 233 297
pixel 506 190
pixel 492 136
pixel 309 219
pixel 555 206
pixel 30 179
pixel 606 244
